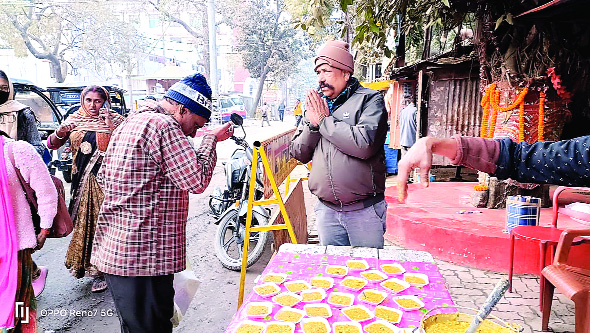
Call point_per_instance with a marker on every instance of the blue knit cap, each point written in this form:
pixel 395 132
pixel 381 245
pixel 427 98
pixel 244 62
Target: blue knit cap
pixel 194 93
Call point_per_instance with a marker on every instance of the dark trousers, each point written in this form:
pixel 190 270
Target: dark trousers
pixel 298 120
pixel 145 304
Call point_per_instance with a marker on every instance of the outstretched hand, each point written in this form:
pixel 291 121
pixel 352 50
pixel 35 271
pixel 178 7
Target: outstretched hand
pixel 65 130
pixel 223 132
pixel 419 156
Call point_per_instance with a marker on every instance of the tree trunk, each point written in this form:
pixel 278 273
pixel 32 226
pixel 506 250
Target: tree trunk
pixel 252 112
pixel 400 51
pixel 427 43
pixel 57 69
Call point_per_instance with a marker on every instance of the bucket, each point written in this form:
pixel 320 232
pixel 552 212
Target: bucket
pixel 522 210
pixel 390 159
pixel 442 314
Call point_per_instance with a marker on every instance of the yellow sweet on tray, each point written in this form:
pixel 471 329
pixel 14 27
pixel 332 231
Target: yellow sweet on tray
pixel 278 328
pixel 320 283
pixel 318 311
pixel 290 316
pixel 377 328
pixel 356 265
pixel 390 269
pixel 414 279
pixel 346 328
pixel 295 287
pixel 393 286
pixel 286 300
pixel 249 328
pixel 357 314
pixel 372 276
pixel 340 299
pixel 265 290
pixel 354 283
pixel 312 296
pixel 407 303
pixel 314 327
pixel 372 297
pixel 274 278
pixel 255 310
pixel 388 315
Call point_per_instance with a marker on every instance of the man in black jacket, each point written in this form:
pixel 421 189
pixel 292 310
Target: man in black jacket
pixel 343 134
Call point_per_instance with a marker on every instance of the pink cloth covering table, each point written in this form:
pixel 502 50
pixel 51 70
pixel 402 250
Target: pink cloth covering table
pixel 302 262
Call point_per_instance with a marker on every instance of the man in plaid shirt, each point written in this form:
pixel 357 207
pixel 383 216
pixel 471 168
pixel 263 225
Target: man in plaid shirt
pixel 149 168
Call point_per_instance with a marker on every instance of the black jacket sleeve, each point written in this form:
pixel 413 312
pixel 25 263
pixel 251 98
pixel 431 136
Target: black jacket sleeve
pixel 561 163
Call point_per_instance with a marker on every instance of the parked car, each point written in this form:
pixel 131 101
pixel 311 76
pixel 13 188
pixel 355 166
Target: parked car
pixel 229 105
pixel 48 114
pixel 49 118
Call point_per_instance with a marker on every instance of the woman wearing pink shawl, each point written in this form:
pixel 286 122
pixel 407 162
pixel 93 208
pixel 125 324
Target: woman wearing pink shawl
pixel 17 233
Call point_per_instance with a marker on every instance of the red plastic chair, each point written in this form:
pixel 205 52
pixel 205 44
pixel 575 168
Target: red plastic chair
pixel 571 281
pixel 547 237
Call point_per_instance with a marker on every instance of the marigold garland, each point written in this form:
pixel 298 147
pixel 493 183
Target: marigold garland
pixel 491 99
pixel 521 123
pixel 485 103
pixel 541 116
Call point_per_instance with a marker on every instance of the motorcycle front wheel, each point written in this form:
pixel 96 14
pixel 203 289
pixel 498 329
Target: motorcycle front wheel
pixel 229 242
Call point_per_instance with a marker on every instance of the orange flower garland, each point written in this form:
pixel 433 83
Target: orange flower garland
pixel 492 98
pixel 521 123
pixel 485 103
pixel 541 116
pixel 480 187
pixel 494 116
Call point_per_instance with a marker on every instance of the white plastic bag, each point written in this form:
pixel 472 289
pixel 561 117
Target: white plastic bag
pixel 185 288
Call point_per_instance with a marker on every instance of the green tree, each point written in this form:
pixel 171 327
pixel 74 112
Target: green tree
pixel 267 41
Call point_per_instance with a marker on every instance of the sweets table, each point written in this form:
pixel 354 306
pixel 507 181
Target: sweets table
pixel 304 261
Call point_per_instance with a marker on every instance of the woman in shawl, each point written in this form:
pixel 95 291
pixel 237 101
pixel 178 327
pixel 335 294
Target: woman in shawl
pixel 18 121
pixel 89 130
pixel 17 232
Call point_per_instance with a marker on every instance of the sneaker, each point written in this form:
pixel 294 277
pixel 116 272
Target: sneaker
pixel 39 282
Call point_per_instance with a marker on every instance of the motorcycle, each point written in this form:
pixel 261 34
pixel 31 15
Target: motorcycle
pixel 230 207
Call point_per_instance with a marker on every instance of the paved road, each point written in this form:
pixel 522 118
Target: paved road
pixel 67 305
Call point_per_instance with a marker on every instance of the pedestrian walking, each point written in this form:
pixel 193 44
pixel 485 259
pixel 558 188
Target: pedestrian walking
pixel 17 231
pixel 265 114
pixel 297 112
pixel 147 174
pixel 20 123
pixel 407 124
pixel 281 110
pixel 89 130
pixel 344 133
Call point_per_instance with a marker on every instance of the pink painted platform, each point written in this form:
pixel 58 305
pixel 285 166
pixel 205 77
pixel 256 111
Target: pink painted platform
pixel 430 221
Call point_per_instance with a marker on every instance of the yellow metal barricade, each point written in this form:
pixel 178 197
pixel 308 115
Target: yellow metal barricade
pixel 278 199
